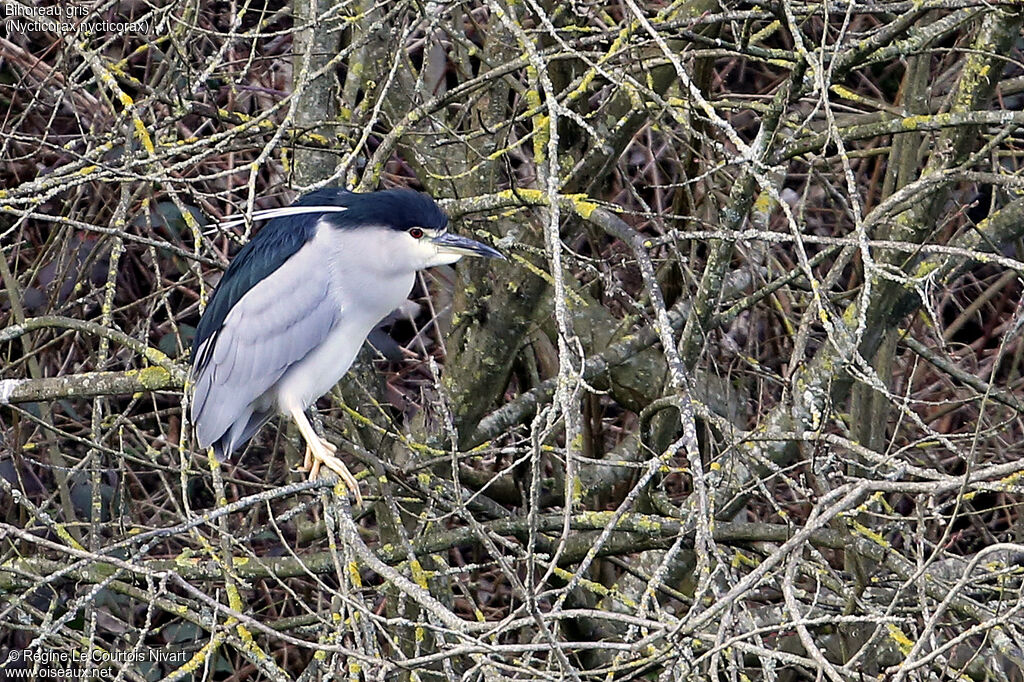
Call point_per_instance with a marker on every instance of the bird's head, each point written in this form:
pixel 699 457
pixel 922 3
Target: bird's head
pixel 400 227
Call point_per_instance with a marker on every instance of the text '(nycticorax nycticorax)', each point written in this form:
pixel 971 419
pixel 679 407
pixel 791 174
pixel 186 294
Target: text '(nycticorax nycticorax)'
pixel 290 314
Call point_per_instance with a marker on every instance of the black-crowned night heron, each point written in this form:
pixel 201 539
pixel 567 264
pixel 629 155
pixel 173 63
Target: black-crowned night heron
pixel 297 302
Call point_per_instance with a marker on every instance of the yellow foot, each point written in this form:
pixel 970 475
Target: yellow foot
pixel 319 453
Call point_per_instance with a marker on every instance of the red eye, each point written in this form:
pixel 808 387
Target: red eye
pixel 416 233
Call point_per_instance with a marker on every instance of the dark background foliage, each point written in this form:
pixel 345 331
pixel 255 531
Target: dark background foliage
pixel 744 402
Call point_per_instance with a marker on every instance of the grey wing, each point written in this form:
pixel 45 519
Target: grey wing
pixel 274 325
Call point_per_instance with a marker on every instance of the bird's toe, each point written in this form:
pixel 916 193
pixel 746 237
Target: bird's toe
pixel 307 459
pixel 328 461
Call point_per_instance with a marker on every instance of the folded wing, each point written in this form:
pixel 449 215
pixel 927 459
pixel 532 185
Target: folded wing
pixel 275 324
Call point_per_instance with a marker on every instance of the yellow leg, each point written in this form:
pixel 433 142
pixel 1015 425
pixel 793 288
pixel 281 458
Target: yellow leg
pixel 321 453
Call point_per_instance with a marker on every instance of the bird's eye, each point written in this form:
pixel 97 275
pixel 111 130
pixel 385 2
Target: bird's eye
pixel 416 233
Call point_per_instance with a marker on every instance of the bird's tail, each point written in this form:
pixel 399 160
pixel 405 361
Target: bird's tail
pixel 239 433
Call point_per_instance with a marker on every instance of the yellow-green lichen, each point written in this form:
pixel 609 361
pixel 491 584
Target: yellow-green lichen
pixel 874 536
pixel 902 641
pixel 154 378
pixel 419 576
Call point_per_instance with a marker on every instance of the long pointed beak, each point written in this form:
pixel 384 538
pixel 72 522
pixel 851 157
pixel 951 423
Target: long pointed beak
pixel 448 242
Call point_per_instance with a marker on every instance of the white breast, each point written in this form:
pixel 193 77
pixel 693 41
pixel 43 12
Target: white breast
pixel 366 287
